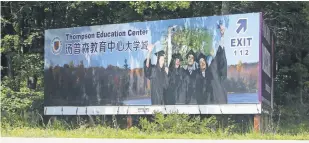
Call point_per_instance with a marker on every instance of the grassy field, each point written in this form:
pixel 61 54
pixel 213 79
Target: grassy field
pixel 105 132
pixel 174 126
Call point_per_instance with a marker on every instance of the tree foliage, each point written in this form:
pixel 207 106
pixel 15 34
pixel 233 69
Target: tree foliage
pixel 199 40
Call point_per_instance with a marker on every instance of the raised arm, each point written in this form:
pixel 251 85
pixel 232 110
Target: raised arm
pixel 147 63
pixel 149 48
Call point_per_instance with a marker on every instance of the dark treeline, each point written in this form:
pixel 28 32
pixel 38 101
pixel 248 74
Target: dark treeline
pixel 94 86
pixel 76 85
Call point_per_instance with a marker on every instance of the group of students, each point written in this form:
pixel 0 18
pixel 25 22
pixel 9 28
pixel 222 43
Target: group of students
pixel 195 83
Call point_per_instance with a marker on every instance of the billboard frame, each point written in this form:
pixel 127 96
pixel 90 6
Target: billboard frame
pixel 255 108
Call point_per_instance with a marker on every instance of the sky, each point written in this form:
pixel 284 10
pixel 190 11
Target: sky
pixel 156 32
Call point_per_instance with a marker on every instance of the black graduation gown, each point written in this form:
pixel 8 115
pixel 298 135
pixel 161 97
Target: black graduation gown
pixel 190 80
pixel 218 70
pixel 159 82
pixel 176 92
pixel 204 93
pixel 222 64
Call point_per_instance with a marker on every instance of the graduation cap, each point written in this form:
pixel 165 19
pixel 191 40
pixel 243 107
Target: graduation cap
pixel 201 55
pixel 160 53
pixel 220 23
pixel 190 53
pixel 177 56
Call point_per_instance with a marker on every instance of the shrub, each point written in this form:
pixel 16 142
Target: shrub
pixel 178 123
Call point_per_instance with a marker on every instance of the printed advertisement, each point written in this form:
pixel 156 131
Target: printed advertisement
pixel 188 61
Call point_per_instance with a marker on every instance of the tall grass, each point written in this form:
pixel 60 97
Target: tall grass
pixel 157 126
pixel 107 132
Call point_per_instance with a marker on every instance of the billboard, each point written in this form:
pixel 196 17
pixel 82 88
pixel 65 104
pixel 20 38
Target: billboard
pixel 190 61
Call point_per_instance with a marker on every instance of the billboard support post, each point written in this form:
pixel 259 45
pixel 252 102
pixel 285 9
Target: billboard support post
pixel 257 122
pixel 129 121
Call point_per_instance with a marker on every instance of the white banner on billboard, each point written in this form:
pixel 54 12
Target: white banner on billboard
pixel 149 110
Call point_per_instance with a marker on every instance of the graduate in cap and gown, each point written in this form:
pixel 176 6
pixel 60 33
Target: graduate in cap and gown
pixel 218 69
pixel 176 92
pixel 204 93
pixel 157 74
pixel 190 71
